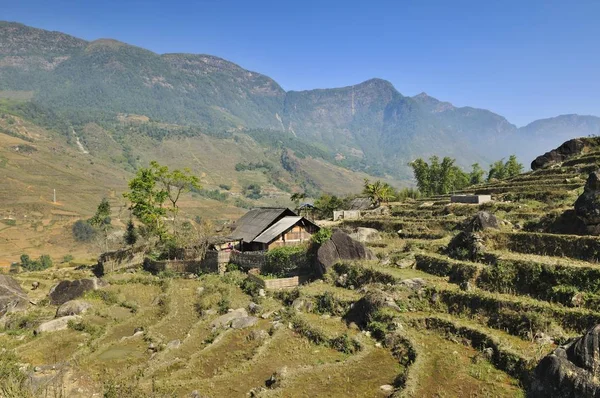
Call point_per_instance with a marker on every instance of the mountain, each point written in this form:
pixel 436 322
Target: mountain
pixel 369 127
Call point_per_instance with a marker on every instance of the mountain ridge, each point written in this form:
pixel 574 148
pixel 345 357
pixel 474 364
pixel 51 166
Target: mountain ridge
pixel 371 125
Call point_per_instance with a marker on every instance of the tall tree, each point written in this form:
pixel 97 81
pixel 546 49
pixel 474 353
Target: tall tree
pixel 476 174
pixel 102 220
pixel 151 188
pixel 378 191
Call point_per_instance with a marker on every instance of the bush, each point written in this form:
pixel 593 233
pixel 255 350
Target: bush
pixel 284 260
pixel 322 236
pixel 83 231
pixel 40 264
pixel 67 258
pixel 250 286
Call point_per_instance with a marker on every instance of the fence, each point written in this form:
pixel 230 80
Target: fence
pixel 279 283
pixel 121 259
pixel 247 260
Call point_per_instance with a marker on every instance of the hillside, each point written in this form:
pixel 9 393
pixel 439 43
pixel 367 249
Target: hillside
pixel 36 160
pixel 369 127
pixel 435 316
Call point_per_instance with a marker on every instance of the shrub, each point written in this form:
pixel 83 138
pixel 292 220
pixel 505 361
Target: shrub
pixel 83 231
pixel 345 344
pixel 223 305
pixel 322 236
pixel 67 258
pixel 326 303
pixel 282 261
pixel 40 264
pixel 250 286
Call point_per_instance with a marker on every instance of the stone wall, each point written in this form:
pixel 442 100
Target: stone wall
pixel 121 259
pixel 181 266
pixel 346 215
pixel 247 260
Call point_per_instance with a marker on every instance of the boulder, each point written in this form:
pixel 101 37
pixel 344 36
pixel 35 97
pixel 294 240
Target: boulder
pixel 340 247
pixel 225 320
pixel 587 206
pixel 56 324
pixel 244 322
pixel 68 290
pixel 12 297
pixel 570 370
pixel 73 307
pixel 373 300
pixel 466 246
pixel 414 283
pixel 481 221
pixel 568 149
pixel 362 234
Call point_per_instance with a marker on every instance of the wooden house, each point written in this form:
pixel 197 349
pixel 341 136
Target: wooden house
pixel 263 229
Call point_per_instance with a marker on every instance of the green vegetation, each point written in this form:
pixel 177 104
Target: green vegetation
pixel 379 192
pixel 42 263
pixel 83 231
pixel 151 188
pixel 102 220
pixel 501 171
pixel 283 261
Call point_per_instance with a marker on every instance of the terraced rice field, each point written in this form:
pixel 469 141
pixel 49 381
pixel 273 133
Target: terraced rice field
pixel 413 323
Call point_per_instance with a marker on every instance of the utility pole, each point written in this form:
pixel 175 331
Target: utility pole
pixel 54 201
pixel 353 110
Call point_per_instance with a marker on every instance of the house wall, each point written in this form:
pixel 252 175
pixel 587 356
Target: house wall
pixel 294 236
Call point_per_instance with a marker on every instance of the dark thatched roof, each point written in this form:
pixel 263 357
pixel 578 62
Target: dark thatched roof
pixel 256 221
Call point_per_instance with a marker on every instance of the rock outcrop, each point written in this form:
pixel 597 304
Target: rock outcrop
pixel 362 234
pixel 68 290
pixel 568 149
pixel 587 206
pixel 481 221
pixel 73 307
pixel 56 324
pixel 468 244
pixel 225 321
pixel 12 296
pixel 570 370
pixel 340 247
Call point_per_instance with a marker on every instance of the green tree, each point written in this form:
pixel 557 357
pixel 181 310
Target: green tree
pixel 151 188
pixel 378 191
pixel 147 201
pixel 326 204
pixel 102 220
pixel 174 183
pixel 497 171
pixel 438 178
pixel 83 231
pixel 476 174
pixel 131 235
pixel 513 167
pixel 297 198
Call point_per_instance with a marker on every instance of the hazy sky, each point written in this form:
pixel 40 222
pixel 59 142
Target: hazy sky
pixel 522 59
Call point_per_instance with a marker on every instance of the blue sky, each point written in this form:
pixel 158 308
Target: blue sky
pixel 522 59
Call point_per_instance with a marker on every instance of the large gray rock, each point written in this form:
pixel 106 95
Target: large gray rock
pixel 68 290
pixel 481 221
pixel 245 322
pixel 12 297
pixel 571 370
pixel 587 206
pixel 466 246
pixel 73 307
pixel 225 320
pixel 568 149
pixel 362 234
pixel 340 247
pixel 56 324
